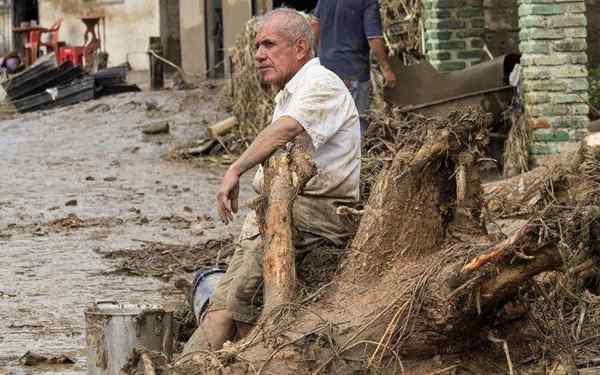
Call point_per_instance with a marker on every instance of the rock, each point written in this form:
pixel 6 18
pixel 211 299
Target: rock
pixel 72 202
pixel 159 127
pixel 33 359
pixel 100 107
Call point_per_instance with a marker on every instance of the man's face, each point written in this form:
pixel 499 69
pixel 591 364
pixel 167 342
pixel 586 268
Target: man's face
pixel 278 59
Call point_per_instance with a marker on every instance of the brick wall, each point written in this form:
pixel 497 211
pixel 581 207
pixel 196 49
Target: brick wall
pixel 554 60
pixel 454 31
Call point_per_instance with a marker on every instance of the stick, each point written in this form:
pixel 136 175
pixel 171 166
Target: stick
pixel 506 351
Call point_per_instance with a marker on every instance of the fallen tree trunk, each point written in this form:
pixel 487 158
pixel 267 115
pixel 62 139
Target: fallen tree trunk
pixel 422 278
pixel 285 174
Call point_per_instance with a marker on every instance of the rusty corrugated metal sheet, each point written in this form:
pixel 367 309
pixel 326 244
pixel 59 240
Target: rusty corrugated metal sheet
pixel 421 87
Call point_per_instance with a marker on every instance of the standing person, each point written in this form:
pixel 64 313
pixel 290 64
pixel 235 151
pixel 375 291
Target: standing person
pixel 314 108
pixel 346 31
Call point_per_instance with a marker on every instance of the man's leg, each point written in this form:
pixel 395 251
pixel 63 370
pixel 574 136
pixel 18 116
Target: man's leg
pixel 230 309
pixel 216 328
pixel 360 94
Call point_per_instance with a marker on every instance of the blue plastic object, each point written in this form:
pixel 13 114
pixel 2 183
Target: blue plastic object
pixel 205 283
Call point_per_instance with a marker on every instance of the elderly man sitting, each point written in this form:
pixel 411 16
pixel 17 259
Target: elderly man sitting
pixel 313 108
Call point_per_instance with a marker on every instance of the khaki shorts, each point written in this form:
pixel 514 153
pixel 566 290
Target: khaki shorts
pixel 238 291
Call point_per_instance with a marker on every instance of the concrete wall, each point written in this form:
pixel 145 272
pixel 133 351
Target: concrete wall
pixel 129 24
pixel 235 15
pixel 193 43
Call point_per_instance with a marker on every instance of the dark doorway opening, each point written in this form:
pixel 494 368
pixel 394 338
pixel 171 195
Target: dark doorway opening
pixel 215 53
pixel 303 5
pixel 170 33
pixel 25 12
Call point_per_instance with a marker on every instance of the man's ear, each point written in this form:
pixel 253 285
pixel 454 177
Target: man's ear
pixel 302 49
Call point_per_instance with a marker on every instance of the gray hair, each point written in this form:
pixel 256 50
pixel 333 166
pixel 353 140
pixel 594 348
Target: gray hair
pixel 294 28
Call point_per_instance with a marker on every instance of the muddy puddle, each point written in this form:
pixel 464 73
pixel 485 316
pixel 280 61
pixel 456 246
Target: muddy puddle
pixel 83 182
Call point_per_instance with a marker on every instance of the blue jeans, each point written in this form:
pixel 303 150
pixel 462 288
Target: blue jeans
pixel 360 94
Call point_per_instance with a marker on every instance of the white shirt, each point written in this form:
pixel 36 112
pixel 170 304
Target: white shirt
pixel 319 100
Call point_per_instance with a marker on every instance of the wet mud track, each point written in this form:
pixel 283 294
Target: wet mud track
pixel 78 183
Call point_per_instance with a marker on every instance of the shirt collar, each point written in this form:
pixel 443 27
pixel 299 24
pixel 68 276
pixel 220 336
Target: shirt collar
pixel 298 78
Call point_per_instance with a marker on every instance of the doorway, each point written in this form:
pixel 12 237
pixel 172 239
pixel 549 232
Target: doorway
pixel 302 5
pixel 24 11
pixel 215 54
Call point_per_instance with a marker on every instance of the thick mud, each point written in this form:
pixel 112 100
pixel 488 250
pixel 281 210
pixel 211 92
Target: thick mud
pixel 79 183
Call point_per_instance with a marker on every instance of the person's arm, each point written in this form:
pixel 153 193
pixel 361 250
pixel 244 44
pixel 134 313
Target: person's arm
pixel 381 56
pixel 315 26
pixel 374 33
pixel 266 142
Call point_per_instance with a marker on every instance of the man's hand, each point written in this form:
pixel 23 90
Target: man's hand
pixel 227 197
pixel 389 77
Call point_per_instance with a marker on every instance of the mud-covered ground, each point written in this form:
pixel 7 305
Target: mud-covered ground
pixel 81 187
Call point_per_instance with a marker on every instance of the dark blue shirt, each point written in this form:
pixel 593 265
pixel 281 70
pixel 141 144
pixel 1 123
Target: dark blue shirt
pixel 345 27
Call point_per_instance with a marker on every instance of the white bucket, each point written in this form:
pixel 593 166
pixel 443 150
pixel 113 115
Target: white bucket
pixel 114 329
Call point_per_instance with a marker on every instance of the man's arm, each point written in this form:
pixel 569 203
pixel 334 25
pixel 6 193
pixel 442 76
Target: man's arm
pixel 378 49
pixel 266 142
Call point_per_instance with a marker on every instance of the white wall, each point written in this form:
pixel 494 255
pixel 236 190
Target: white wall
pixel 129 24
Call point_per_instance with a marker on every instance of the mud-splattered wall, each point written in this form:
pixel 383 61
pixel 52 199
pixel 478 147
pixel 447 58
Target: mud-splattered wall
pixel 129 24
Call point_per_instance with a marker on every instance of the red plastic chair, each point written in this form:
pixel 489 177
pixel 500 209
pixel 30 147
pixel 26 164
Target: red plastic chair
pixel 54 44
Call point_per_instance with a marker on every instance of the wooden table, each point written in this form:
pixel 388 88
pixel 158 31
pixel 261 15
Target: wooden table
pixel 32 36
